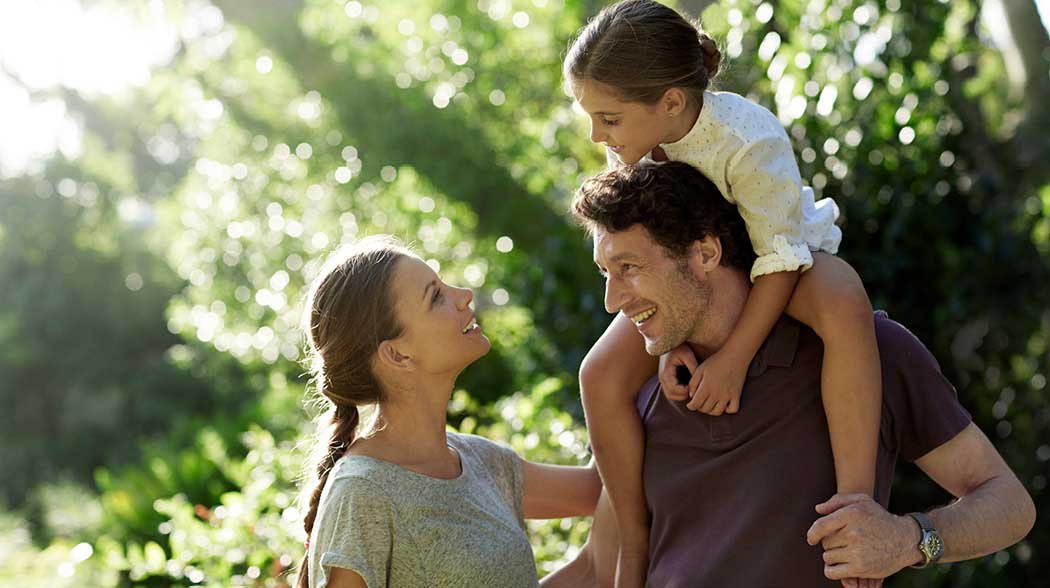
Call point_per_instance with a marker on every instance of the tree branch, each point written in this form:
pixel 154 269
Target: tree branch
pixel 1032 143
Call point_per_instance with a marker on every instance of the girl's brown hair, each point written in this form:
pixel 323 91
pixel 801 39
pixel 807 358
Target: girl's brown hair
pixel 350 311
pixel 641 48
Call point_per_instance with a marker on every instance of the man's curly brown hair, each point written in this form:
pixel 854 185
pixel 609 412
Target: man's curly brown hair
pixel 674 201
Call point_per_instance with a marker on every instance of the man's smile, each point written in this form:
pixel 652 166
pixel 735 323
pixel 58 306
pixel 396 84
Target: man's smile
pixel 643 316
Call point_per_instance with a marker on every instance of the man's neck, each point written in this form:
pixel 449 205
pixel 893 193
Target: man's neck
pixel 728 297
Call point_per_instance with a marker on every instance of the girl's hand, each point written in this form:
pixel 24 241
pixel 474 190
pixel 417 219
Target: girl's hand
pixel 717 383
pixel 679 358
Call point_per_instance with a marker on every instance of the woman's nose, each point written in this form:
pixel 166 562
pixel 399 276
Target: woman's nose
pixel 466 295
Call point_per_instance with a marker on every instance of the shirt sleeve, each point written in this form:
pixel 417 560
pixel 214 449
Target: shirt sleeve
pixel 505 467
pixel 355 531
pixel 766 186
pixel 924 409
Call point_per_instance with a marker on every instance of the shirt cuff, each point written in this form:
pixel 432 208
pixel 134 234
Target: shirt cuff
pixel 786 257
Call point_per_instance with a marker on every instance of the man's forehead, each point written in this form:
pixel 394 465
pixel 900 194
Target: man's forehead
pixel 610 246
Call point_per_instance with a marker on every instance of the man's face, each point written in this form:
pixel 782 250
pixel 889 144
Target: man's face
pixel 656 291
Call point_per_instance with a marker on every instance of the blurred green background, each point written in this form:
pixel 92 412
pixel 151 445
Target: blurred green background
pixel 171 173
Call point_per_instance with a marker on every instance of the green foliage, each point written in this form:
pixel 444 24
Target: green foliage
pixel 62 564
pixel 152 287
pixel 83 342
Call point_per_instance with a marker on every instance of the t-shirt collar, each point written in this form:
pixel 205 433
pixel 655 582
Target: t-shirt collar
pixel 779 348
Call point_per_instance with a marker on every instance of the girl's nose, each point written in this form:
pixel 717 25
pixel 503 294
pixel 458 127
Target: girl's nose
pixel 597 136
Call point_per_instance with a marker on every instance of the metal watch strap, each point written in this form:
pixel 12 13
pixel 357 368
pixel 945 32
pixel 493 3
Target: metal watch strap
pixel 925 527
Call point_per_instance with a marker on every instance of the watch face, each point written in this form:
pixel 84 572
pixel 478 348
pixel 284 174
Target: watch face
pixel 933 546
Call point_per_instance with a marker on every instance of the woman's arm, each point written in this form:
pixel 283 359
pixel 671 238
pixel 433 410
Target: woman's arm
pixel 343 578
pixel 553 491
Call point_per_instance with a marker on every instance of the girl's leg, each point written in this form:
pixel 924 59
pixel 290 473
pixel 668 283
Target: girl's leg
pixel 610 377
pixel 830 298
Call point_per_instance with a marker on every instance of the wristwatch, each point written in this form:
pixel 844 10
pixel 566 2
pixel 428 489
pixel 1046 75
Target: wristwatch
pixel 930 545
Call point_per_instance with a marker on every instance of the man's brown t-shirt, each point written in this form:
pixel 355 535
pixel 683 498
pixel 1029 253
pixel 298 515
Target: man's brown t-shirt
pixel 732 496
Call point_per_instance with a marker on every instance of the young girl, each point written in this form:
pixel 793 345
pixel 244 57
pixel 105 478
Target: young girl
pixel 641 72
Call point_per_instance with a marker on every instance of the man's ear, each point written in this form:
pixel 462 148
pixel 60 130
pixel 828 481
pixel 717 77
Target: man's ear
pixel 674 102
pixel 705 255
pixel 390 355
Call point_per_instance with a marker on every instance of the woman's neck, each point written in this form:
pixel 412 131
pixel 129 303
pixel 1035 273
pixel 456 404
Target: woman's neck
pixel 412 427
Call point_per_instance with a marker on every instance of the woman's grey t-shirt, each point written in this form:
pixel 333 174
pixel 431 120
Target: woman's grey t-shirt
pixel 399 528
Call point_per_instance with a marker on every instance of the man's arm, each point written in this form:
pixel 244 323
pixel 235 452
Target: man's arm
pixel 595 565
pixel 992 511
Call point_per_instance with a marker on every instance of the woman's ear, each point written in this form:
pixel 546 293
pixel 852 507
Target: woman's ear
pixel 390 355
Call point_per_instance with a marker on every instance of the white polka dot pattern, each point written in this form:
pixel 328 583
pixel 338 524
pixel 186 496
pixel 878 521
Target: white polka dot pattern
pixel 744 150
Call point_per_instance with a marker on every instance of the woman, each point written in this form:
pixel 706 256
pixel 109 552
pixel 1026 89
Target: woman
pixel 401 502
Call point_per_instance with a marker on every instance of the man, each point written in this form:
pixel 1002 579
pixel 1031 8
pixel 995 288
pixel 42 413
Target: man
pixel 735 499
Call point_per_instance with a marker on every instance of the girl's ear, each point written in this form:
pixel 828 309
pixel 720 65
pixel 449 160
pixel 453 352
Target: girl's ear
pixel 390 355
pixel 674 102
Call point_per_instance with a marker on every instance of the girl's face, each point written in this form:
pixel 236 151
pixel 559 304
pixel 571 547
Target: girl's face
pixel 629 129
pixel 441 334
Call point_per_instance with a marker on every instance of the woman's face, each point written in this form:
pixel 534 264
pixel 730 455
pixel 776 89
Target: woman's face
pixel 441 333
pixel 629 129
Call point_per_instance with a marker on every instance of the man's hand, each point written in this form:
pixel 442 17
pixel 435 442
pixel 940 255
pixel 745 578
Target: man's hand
pixel 717 383
pixel 862 540
pixel 670 362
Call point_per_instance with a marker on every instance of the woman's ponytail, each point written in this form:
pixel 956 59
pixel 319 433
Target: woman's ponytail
pixel 342 422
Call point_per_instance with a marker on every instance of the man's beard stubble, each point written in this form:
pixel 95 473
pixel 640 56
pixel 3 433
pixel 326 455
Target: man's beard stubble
pixel 685 310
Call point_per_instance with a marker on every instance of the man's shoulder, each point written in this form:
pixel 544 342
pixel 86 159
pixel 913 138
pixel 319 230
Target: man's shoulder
pixel 898 346
pixel 920 405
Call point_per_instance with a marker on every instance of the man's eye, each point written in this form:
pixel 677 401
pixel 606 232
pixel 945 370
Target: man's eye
pixel 437 295
pixel 628 267
pixel 611 123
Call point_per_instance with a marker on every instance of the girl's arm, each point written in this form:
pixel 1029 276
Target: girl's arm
pixel 610 378
pixel 554 491
pixel 783 221
pixel 763 180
